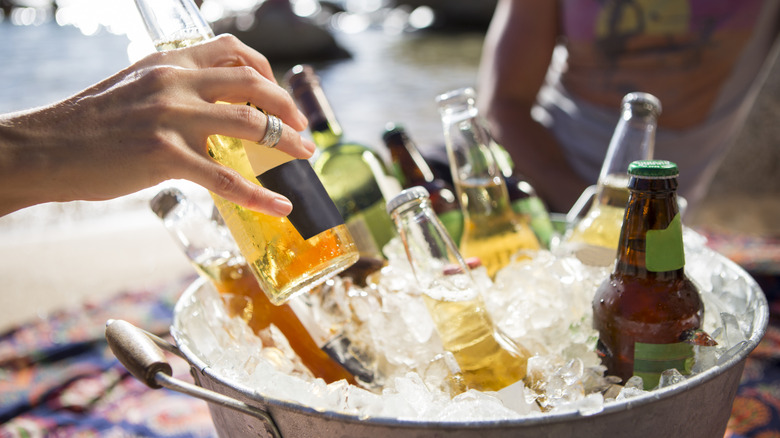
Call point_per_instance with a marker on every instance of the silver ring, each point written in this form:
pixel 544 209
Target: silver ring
pixel 273 131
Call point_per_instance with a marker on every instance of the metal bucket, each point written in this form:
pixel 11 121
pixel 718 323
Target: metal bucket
pixel 697 407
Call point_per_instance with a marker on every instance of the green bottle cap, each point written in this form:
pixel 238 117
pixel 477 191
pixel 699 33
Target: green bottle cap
pixel 653 168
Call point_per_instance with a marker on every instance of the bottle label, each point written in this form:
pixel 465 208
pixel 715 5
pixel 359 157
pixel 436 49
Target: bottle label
pixel 453 222
pixel 313 210
pixel 664 248
pixel 650 360
pixel 539 219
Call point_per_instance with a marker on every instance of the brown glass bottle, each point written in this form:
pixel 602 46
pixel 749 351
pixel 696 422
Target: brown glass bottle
pixel 647 309
pixel 411 170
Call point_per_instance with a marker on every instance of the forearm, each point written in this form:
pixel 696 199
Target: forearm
pixel 518 48
pixel 24 179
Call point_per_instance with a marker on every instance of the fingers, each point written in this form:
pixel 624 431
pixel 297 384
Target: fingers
pixel 222 51
pixel 229 184
pixel 244 84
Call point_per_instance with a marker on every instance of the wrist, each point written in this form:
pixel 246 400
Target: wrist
pixel 23 158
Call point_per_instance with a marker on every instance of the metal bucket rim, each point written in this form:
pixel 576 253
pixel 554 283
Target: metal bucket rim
pixel 760 323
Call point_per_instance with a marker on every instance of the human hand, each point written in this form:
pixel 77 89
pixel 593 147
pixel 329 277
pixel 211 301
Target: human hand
pixel 149 123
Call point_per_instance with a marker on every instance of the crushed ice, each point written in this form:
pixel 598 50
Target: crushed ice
pixel 543 303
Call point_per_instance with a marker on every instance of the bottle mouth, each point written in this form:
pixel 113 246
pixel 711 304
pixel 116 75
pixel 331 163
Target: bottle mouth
pixel 642 103
pixel 407 195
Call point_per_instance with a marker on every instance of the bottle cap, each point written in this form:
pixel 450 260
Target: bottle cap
pixel 164 201
pixel 643 103
pixel 392 130
pixel 299 75
pixel 410 194
pixel 653 168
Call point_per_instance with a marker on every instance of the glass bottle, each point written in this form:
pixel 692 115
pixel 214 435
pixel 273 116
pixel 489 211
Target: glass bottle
pixel 522 195
pixel 411 169
pixel 288 255
pixel 354 175
pixel 491 230
pixel 488 360
pixel 216 257
pixel 594 239
pixel 647 310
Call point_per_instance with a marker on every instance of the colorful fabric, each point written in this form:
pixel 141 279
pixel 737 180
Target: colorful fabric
pixel 58 378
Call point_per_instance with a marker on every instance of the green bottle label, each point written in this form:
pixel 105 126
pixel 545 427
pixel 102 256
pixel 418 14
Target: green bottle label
pixel 539 220
pixel 453 222
pixel 664 248
pixel 650 360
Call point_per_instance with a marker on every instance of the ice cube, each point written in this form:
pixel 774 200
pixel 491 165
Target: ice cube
pixel 670 377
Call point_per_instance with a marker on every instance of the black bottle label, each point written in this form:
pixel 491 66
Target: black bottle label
pixel 313 210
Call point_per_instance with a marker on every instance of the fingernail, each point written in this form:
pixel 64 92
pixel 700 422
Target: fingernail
pixel 308 145
pixel 281 205
pixel 302 118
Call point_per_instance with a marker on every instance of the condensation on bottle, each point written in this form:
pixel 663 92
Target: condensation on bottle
pixel 215 256
pixel 488 360
pixel 288 255
pixel 648 313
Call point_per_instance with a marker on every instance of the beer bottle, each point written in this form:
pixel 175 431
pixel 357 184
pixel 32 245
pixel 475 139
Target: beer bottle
pixel 522 195
pixel 354 175
pixel 491 230
pixel 488 360
pixel 288 255
pixel 594 239
pixel 647 310
pixel 411 169
pixel 216 257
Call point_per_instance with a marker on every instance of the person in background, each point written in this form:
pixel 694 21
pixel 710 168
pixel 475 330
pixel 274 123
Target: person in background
pixel 553 73
pixel 149 123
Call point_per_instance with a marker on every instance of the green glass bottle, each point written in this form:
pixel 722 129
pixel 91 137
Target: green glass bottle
pixel 354 175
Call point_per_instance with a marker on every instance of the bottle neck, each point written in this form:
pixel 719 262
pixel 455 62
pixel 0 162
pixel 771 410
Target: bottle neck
pixel 651 237
pixel 410 166
pixel 432 254
pixel 323 125
pixel 633 139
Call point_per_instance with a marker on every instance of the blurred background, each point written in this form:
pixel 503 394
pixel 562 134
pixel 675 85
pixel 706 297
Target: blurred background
pixel 379 61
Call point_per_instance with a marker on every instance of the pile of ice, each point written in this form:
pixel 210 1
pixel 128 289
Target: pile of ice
pixel 543 303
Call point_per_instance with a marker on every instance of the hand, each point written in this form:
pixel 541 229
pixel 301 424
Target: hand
pixel 149 123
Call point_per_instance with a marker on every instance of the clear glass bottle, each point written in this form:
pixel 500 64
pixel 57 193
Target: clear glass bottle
pixel 288 255
pixel 216 257
pixel 491 231
pixel 647 310
pixel 594 239
pixel 411 169
pixel 354 175
pixel 488 360
pixel 522 195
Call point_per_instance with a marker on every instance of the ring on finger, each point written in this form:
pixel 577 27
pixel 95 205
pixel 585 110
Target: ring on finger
pixel 273 131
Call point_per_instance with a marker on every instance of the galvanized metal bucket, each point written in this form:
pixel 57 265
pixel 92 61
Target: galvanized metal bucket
pixel 698 407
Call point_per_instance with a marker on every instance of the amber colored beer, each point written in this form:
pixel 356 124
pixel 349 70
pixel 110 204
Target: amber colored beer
pixel 646 310
pixel 237 279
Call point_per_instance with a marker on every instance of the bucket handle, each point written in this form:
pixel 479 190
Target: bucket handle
pixel 140 352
